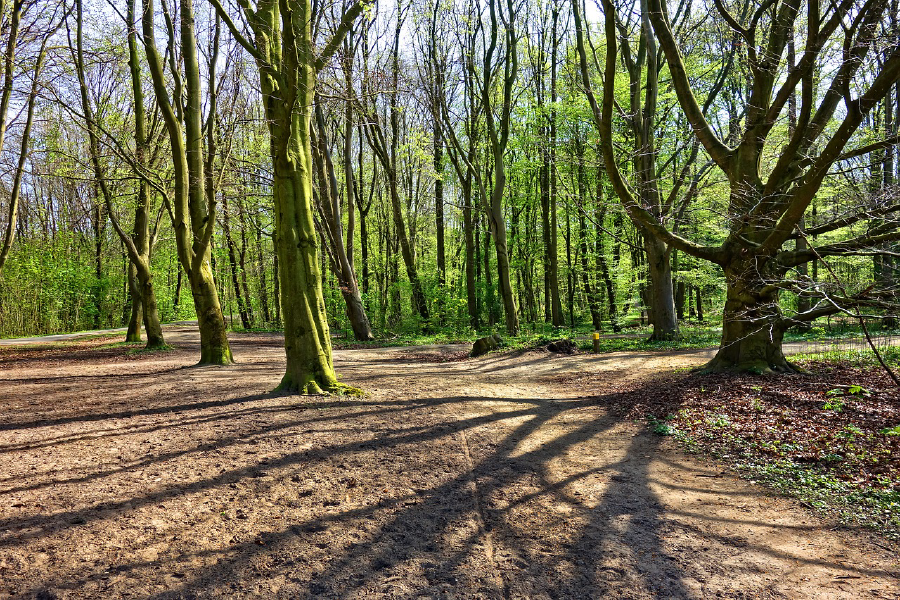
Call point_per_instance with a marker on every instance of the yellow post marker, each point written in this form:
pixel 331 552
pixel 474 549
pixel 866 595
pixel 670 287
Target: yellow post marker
pixel 596 342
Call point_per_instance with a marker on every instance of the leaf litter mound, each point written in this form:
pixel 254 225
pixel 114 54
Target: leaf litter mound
pixel 830 437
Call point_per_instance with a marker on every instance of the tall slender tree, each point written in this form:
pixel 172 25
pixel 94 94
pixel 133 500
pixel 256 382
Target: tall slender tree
pixel 193 211
pixel 138 246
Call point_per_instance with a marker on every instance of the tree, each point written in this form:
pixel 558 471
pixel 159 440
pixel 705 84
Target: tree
pixel 462 158
pixel 498 130
pixel 193 211
pixel 769 193
pixel 385 148
pixel 288 63
pixel 331 228
pixel 547 111
pixel 138 248
pixel 19 9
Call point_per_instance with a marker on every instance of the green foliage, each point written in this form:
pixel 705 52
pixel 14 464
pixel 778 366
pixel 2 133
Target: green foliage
pixel 875 506
pixel 51 287
pixel 661 426
pixel 835 404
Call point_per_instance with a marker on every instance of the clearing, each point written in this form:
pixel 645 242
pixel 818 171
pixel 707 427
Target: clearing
pixel 138 475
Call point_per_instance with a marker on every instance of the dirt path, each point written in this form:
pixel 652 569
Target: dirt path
pixel 141 476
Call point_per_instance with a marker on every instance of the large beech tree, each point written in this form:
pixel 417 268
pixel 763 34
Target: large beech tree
pixel 768 196
pixel 288 62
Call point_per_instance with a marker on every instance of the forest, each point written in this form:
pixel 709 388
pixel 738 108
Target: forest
pixel 510 167
pixel 331 200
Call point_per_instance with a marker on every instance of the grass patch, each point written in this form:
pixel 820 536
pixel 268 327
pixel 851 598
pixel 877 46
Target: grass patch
pixel 144 351
pixel 122 345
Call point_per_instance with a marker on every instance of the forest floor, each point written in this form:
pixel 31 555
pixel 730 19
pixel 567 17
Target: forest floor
pixel 514 475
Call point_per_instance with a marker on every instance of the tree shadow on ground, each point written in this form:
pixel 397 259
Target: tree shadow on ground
pixel 524 497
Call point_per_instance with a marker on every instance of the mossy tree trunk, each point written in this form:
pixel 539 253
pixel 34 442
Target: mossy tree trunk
pixel 284 52
pixel 307 340
pixel 753 327
pixel 133 334
pixel 193 211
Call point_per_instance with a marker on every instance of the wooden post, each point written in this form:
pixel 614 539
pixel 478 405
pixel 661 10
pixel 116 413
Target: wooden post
pixel 596 342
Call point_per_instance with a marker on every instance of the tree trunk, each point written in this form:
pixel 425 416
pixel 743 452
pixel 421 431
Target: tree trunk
pixel 233 261
pixel 276 282
pixel 471 260
pixel 660 296
pixel 699 304
pixel 176 299
pixel 138 246
pixel 439 205
pixel 242 263
pixel 600 250
pixel 556 312
pixel 596 318
pixel 679 300
pixel 364 246
pixel 479 298
pixel 307 341
pixel 193 219
pixel 489 300
pixel 214 347
pixel 133 334
pixel 392 286
pixel 263 283
pixel 15 18
pixel 752 329
pixel 334 235
pixel 151 314
pixel 98 287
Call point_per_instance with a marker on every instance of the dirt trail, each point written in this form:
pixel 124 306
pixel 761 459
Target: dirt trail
pixel 142 476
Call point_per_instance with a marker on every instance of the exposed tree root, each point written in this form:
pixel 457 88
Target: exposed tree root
pixel 311 387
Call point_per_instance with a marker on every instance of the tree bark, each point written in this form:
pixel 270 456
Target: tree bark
pixel 15 19
pixel 331 209
pixel 753 327
pixel 498 136
pixel 263 282
pixel 133 333
pixel 471 260
pixel 661 300
pixel 233 262
pixel 194 218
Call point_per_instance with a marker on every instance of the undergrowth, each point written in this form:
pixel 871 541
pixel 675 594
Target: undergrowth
pixel 830 439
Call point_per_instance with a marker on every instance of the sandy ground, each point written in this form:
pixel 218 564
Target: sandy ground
pixel 143 476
